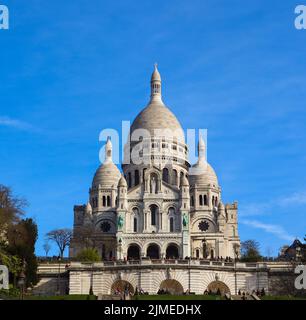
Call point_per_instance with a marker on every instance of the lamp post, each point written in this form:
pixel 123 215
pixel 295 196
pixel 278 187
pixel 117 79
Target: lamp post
pixel 21 284
pixel 59 275
pixel 236 251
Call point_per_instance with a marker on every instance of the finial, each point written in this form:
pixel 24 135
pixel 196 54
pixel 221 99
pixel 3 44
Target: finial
pixel 155 65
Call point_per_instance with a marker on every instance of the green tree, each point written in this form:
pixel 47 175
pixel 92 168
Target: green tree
pixel 250 251
pixel 89 255
pixel 22 238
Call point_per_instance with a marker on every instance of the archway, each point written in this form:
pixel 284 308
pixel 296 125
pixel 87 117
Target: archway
pixel 153 251
pixel 218 287
pixel 172 252
pixel 119 286
pixel 171 286
pixel 133 252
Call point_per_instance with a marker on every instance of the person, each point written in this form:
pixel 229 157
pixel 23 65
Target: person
pixel 239 293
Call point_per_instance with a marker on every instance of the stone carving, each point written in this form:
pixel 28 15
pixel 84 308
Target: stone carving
pixel 153 185
pixel 120 222
pixel 185 220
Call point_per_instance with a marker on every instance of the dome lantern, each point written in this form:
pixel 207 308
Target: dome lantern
pixel 155 84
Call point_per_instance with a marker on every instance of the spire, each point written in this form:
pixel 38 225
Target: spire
pixel 108 151
pixel 155 84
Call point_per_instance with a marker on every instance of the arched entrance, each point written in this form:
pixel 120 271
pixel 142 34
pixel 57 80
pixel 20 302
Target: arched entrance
pixel 218 287
pixel 153 251
pixel 119 287
pixel 171 286
pixel 172 252
pixel 133 252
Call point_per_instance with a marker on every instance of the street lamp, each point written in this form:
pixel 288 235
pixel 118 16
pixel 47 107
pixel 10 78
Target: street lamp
pixel 21 283
pixel 59 275
pixel 236 252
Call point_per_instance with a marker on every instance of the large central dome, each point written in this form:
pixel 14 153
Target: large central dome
pixel 156 116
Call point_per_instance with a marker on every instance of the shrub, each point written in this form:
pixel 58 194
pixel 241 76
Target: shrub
pixel 89 255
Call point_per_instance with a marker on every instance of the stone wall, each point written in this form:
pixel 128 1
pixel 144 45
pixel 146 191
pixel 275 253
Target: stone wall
pixel 194 276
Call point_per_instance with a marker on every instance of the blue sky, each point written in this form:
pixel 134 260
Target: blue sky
pixel 72 68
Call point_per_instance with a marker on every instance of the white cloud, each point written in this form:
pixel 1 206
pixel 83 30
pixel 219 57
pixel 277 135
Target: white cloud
pixel 296 198
pixel 253 209
pixel 14 123
pixel 259 209
pixel 274 229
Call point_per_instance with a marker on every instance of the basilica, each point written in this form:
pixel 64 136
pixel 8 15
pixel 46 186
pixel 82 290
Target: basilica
pixel 160 205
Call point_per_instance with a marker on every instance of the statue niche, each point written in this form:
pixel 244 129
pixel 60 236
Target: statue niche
pixel 153 183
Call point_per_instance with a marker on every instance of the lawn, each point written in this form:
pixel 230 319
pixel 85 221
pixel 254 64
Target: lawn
pixel 282 298
pixel 67 297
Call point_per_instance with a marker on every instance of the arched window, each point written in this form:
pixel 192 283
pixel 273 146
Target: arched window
pixel 213 200
pixel 104 201
pixel 171 215
pixel 216 201
pixel 129 180
pixel 135 224
pixel 181 176
pixel 166 175
pixel 197 253
pixel 171 224
pixel 134 221
pixel 201 200
pixel 153 209
pixel 192 201
pixel 205 200
pixel 108 201
pixel 136 177
pixel 174 177
pixel 143 174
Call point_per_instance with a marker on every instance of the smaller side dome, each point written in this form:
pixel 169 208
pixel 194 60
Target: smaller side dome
pixel 107 175
pixel 202 173
pixel 221 206
pixel 88 208
pixel 122 182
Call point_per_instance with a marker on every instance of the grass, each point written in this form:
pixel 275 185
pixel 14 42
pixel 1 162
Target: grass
pixel 181 297
pixel 282 298
pixel 56 298
pixel 66 297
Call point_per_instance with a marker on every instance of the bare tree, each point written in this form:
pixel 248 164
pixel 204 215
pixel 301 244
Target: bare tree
pixel 11 208
pixel 250 251
pixel 61 237
pixel 85 236
pixel 47 248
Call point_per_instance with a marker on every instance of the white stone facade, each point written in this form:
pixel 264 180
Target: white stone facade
pixel 161 206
